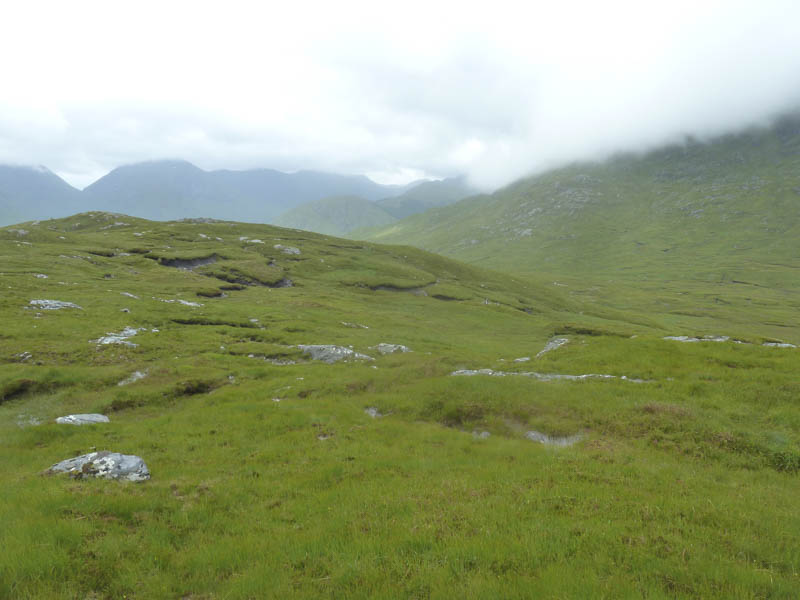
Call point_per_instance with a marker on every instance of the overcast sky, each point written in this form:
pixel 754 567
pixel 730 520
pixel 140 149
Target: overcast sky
pixel 495 90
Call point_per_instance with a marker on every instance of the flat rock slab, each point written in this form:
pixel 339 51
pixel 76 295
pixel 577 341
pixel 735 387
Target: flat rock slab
pixel 705 338
pixel 53 304
pixel 383 348
pixel 105 465
pixel 542 376
pixel 119 338
pixel 330 354
pixel 85 419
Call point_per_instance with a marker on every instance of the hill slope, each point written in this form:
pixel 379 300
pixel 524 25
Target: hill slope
pixel 427 195
pixel 487 460
pixel 703 228
pixel 34 193
pixel 335 216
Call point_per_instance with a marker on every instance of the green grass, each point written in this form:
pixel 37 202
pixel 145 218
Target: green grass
pixel 682 487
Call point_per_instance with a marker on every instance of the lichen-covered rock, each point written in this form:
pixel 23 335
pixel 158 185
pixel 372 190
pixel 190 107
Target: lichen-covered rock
pixel 383 348
pixel 106 465
pixel 83 419
pixel 330 354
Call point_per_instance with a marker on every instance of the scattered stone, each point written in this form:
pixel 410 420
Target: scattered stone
pixel 543 376
pixel 255 241
pixel 778 345
pixel 384 349
pixel 542 438
pixel 373 412
pixel 53 304
pixel 330 354
pixel 85 419
pixel 523 359
pixel 106 465
pixel 354 325
pixel 19 231
pixel 553 344
pixel 287 249
pixel 119 338
pixel 324 436
pixel 481 435
pixel 125 310
pixel 133 378
pixel 40 276
pixel 276 399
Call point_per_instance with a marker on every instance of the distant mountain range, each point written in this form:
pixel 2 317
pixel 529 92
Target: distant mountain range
pixel 175 189
pixel 341 215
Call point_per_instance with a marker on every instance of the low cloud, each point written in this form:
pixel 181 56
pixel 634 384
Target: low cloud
pixel 497 93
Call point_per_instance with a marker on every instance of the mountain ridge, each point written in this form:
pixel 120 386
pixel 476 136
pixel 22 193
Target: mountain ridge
pixel 175 188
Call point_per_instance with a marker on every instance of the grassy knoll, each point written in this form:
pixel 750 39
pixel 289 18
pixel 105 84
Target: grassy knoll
pixel 269 480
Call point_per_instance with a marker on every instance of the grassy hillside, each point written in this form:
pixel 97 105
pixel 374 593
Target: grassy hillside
pixel 335 216
pixel 702 229
pixel 277 476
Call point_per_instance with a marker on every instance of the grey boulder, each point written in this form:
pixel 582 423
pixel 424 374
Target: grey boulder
pixel 106 465
pixel 87 419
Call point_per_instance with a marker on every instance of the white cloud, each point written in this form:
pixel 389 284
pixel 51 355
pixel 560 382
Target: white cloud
pixel 433 88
